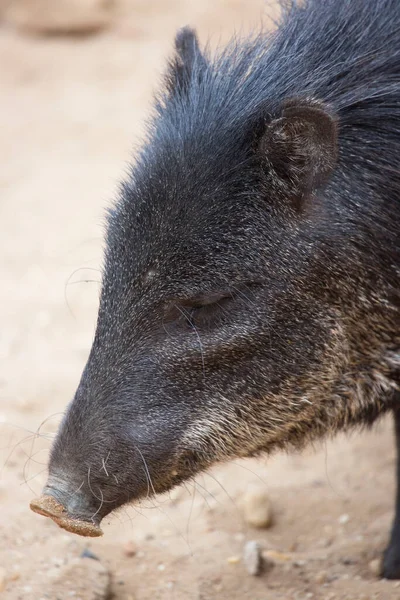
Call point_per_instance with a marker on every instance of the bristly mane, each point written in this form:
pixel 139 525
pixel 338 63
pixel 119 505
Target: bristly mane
pixel 344 53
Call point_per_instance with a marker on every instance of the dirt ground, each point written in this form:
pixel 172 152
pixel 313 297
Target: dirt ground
pixel 71 110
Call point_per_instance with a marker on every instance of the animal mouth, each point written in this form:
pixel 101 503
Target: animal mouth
pixel 48 506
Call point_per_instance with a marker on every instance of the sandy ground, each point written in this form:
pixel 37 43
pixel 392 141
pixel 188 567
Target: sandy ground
pixel 70 111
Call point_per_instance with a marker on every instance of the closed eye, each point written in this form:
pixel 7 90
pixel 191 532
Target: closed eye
pixel 208 313
pixel 204 311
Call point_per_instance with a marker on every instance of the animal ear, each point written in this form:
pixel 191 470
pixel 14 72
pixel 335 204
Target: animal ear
pixel 299 149
pixel 187 59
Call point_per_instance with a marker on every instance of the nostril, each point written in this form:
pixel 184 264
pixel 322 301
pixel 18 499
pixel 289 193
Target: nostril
pixel 79 502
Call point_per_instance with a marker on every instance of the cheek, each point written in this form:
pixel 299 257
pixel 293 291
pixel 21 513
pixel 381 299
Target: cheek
pixel 266 357
pixel 271 400
pixel 217 438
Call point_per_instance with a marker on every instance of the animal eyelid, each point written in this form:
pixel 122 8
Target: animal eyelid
pixel 186 307
pixel 215 297
pixel 207 299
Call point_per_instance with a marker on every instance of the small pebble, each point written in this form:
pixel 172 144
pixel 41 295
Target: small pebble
pixel 252 558
pixel 300 563
pixel 343 519
pixel 129 549
pixel 161 567
pixel 375 566
pixel 87 553
pixel 233 560
pixel 321 577
pixel 257 509
pixel 276 556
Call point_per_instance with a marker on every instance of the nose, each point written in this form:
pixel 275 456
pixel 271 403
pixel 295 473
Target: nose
pixel 73 517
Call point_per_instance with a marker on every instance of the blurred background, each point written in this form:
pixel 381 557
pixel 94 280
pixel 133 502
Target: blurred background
pixel 76 81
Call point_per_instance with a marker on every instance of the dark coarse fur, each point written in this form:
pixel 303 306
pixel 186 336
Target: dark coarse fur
pixel 250 298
